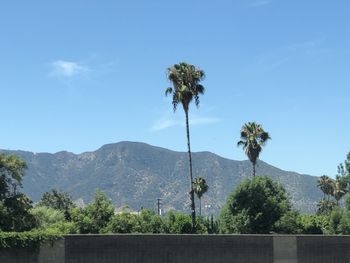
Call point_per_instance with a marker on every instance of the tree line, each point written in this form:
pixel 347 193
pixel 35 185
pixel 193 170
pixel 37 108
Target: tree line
pixel 257 205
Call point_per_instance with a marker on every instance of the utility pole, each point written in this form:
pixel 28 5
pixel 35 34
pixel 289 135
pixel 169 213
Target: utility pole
pixel 158 206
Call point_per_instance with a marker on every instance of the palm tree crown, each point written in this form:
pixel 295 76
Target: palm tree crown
pixel 326 185
pixel 253 138
pixel 200 186
pixel 186 87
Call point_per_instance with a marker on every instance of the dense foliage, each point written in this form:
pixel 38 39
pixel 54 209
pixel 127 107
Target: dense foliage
pixel 14 206
pixel 31 239
pixel 254 207
pixel 95 216
pixel 46 217
pixel 58 200
pixel 11 172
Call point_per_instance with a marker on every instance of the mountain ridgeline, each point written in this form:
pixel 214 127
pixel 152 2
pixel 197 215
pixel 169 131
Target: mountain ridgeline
pixel 136 174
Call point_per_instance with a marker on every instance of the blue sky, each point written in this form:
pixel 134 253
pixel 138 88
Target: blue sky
pixel 75 75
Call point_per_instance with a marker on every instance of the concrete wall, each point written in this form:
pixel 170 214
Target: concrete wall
pixel 47 253
pixel 322 249
pixel 185 249
pixel 168 249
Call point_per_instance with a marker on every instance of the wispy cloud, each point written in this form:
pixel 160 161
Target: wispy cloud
pixel 258 3
pixel 280 56
pixel 310 44
pixel 64 68
pixel 168 122
pixel 163 124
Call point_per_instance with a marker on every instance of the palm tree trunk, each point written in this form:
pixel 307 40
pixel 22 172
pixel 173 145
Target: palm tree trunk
pixel 193 209
pixel 200 207
pixel 253 169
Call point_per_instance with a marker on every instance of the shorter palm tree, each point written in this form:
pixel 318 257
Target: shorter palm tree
pixel 326 185
pixel 200 187
pixel 253 138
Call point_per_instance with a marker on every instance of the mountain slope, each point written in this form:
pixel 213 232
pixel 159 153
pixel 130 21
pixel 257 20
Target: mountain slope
pixel 136 174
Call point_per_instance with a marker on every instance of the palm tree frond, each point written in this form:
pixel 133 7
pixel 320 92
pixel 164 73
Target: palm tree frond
pixel 200 89
pixel 168 91
pixel 243 143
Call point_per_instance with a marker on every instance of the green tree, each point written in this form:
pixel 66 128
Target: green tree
pixel 186 80
pixel 200 188
pixel 14 206
pixel 12 170
pixel 254 207
pixel 344 169
pixel 341 219
pixel 95 216
pixel 334 220
pixel 58 200
pixel 253 138
pixel 14 213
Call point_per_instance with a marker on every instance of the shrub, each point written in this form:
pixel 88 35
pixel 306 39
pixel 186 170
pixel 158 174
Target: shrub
pixel 46 217
pixel 28 239
pixel 314 224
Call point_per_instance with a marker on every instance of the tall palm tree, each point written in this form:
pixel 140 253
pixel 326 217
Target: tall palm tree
pixel 253 138
pixel 186 87
pixel 200 188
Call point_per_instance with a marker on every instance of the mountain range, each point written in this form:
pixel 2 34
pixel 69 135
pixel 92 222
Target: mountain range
pixel 136 174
